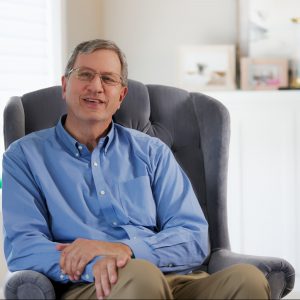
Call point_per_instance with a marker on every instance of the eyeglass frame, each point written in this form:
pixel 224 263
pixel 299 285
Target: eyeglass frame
pixel 99 75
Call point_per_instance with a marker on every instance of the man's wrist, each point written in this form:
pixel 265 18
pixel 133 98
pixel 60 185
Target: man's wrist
pixel 128 250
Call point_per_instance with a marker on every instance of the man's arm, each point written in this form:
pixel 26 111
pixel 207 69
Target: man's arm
pixel 28 242
pixel 181 243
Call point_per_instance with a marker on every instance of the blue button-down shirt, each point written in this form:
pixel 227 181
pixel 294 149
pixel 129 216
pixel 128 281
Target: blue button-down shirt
pixel 129 189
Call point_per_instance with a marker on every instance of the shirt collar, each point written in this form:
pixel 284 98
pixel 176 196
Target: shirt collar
pixel 74 146
pixel 110 137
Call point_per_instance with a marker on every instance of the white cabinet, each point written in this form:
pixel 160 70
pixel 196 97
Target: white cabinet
pixel 264 172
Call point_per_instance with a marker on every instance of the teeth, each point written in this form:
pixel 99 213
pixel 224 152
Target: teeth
pixel 91 100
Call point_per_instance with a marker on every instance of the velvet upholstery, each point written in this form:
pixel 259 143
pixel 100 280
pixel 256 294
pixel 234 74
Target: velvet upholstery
pixel 195 127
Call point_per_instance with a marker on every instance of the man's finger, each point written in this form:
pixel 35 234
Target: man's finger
pixel 105 283
pixel 122 260
pixel 81 265
pixel 112 271
pixel 61 247
pixel 62 261
pixel 74 266
pixel 99 291
pixel 67 267
pixel 64 248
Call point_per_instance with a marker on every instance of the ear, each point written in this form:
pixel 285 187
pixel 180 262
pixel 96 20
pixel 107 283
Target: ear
pixel 123 93
pixel 64 81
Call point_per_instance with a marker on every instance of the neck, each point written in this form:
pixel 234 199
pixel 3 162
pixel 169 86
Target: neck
pixel 88 134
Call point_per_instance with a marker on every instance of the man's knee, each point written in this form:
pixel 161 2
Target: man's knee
pixel 250 281
pixel 141 279
pixel 139 269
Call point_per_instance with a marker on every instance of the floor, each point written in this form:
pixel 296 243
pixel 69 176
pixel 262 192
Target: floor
pixel 293 295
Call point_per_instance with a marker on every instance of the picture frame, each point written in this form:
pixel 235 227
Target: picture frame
pixel 263 74
pixel 207 67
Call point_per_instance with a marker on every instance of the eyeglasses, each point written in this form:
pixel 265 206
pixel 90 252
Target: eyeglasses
pixel 85 74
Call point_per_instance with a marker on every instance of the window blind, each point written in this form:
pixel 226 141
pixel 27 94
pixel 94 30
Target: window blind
pixel 25 54
pixel 28 59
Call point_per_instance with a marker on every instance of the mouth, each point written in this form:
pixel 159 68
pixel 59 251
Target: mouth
pixel 93 101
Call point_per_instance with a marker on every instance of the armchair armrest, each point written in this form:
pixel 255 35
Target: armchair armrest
pixel 279 273
pixel 28 285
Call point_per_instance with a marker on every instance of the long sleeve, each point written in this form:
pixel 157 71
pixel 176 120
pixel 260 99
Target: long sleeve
pixel 181 242
pixel 28 243
pixel 130 189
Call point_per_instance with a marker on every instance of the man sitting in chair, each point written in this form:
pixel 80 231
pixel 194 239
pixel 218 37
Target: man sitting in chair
pixel 105 208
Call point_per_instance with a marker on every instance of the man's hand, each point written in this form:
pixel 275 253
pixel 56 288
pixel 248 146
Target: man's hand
pixel 106 273
pixel 77 255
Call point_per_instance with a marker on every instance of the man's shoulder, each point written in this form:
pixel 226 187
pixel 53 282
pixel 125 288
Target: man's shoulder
pixel 31 140
pixel 138 136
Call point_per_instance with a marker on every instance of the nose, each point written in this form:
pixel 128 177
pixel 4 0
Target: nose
pixel 96 85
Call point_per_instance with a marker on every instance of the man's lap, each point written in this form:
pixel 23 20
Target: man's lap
pixel 140 279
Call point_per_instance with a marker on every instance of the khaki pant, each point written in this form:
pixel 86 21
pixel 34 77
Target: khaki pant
pixel 140 279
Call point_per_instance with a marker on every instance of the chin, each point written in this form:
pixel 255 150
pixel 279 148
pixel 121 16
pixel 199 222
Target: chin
pixel 99 119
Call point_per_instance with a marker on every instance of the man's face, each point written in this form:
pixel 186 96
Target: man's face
pixel 92 101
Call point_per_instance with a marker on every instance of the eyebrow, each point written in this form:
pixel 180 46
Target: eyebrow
pixel 105 72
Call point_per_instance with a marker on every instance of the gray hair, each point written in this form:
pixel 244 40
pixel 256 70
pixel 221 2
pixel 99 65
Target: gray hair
pixel 98 44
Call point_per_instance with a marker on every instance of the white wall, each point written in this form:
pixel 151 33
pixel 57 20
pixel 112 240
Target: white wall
pixel 81 20
pixel 150 31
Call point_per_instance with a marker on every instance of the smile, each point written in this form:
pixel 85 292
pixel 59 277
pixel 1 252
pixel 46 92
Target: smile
pixel 94 100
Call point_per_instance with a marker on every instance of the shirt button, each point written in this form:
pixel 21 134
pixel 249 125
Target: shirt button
pixel 170 265
pixel 102 193
pixel 114 223
pixel 77 154
pixel 61 276
pixel 80 147
pixel 95 164
pixel 87 276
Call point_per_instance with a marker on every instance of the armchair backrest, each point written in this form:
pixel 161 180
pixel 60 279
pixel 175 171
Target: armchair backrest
pixel 195 127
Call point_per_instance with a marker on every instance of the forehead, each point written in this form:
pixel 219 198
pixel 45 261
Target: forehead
pixel 99 60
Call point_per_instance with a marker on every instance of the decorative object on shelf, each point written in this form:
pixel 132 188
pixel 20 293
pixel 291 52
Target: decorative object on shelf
pixel 207 67
pixel 265 28
pixel 295 60
pixel 263 74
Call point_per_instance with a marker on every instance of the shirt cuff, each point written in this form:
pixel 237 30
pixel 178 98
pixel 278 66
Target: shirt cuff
pixel 141 250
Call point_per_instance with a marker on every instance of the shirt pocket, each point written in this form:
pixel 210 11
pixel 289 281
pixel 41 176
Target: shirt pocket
pixel 137 201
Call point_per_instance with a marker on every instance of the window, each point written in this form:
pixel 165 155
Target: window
pixel 30 51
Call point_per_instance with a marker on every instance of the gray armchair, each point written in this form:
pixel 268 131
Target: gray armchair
pixel 196 128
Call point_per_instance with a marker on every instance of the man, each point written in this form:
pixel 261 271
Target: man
pixel 105 208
